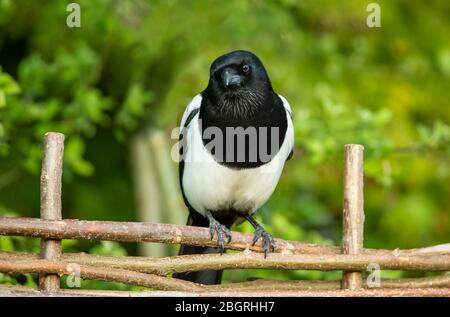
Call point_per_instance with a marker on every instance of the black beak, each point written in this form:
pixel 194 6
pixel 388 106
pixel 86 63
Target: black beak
pixel 231 78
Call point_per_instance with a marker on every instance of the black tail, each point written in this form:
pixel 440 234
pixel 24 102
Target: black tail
pixel 203 277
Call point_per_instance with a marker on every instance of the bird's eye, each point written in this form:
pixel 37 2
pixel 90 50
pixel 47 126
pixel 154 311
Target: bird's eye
pixel 246 69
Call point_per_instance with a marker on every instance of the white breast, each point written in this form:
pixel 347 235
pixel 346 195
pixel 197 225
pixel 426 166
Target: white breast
pixel 209 185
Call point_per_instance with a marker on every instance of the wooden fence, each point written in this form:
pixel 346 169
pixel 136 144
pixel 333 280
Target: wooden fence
pixel 153 272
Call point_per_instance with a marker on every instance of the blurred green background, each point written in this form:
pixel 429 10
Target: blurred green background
pixel 117 86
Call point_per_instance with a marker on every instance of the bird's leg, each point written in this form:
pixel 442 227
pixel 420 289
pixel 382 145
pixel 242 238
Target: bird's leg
pixel 221 231
pixel 268 243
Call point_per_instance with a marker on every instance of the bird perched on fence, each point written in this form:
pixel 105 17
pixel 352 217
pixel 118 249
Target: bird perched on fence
pixel 235 138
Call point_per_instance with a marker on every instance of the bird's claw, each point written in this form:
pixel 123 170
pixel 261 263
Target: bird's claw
pixel 268 243
pixel 216 228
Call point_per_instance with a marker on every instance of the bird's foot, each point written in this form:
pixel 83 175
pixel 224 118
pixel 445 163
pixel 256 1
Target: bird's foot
pixel 268 243
pixel 220 230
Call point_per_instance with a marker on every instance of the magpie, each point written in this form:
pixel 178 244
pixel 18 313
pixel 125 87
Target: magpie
pixel 235 138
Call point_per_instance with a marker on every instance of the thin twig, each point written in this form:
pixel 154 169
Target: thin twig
pixel 440 281
pixel 98 273
pixel 252 260
pixel 147 265
pixel 381 292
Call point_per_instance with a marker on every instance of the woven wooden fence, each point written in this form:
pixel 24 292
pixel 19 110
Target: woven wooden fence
pixel 152 272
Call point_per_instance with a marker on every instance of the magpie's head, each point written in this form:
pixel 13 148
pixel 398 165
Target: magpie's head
pixel 238 83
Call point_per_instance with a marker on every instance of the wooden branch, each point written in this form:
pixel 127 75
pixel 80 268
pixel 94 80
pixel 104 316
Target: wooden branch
pixel 402 292
pixel 20 291
pixel 51 174
pixel 142 232
pixel 353 211
pixel 169 233
pixel 98 273
pixel 440 281
pixel 252 260
pixel 147 265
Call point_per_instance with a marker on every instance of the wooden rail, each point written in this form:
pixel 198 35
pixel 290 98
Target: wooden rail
pixel 18 291
pixel 174 234
pixel 153 272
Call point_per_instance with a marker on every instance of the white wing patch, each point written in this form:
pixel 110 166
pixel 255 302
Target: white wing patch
pixel 194 104
pixel 289 138
pixel 286 105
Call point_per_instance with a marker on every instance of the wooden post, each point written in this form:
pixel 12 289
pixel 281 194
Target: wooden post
pixel 147 190
pixel 51 174
pixel 353 210
pixel 168 178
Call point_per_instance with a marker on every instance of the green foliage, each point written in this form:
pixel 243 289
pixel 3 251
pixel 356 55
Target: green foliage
pixel 7 87
pixel 138 63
